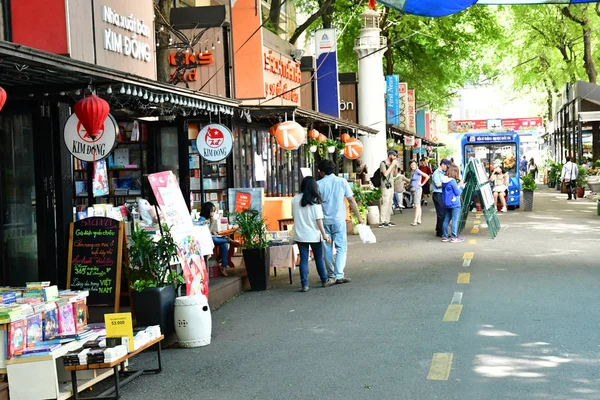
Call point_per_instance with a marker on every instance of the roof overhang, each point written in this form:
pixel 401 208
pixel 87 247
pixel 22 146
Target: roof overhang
pixel 401 132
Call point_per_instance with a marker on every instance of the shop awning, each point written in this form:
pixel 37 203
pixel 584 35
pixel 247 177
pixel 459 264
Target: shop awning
pixel 25 71
pixel 401 132
pixel 310 116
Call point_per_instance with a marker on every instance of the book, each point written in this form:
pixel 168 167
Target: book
pixel 66 320
pixel 50 324
pixel 50 293
pixel 34 330
pixel 81 188
pixel 80 312
pixel 121 156
pixel 17 337
pixel 40 347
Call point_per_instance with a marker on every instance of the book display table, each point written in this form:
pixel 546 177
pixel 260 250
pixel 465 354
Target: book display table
pixel 117 369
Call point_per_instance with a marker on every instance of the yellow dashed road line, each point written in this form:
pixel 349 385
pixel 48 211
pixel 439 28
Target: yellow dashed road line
pixel 453 313
pixel 440 367
pixel 475 230
pixel 477 221
pixel 468 255
pixel 472 241
pixel 464 278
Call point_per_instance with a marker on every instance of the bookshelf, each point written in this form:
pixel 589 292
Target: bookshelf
pixel 119 178
pixel 208 180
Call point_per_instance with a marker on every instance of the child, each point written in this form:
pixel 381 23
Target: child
pixel 451 192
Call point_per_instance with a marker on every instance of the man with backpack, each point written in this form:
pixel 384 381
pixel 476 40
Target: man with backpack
pixel 386 182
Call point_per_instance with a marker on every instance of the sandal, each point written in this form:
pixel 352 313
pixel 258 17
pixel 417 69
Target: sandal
pixel 223 271
pixel 414 224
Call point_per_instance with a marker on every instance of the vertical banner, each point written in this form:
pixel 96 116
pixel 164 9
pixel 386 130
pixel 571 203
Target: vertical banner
pixel 403 88
pixel 392 99
pixel 170 200
pixel 412 124
pixel 328 91
pixel 420 122
pixel 427 125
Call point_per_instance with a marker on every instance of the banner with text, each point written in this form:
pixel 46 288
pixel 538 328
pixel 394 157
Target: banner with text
pixel 392 99
pixel 328 91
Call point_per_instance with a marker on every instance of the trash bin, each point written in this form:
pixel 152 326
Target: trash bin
pixel 193 323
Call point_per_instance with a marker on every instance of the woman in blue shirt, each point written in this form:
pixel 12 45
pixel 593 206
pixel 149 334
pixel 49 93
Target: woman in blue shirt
pixel 207 211
pixel 417 179
pixel 451 192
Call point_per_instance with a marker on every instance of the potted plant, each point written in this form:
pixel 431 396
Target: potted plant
pixel 331 145
pixel 528 186
pixel 361 201
pixel 313 145
pixel 152 281
pixel 253 233
pixel 581 181
pixel 553 175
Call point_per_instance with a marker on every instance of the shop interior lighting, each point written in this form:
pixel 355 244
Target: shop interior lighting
pixel 122 90
pixel 213 46
pixel 219 39
pixel 128 90
pixel 63 93
pixel 109 90
pixel 78 92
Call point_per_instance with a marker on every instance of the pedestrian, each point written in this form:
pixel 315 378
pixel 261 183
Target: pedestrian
pixel 568 176
pixel 451 193
pixel 400 180
pixel 532 168
pixel 207 212
pixel 309 230
pixel 332 190
pixel 387 168
pixel 416 186
pixel 499 179
pixel 438 201
pixel 523 166
pixel 424 167
pixel 362 172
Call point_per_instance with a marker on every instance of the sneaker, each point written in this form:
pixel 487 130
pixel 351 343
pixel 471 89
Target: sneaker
pixel 391 224
pixel 383 225
pixel 343 280
pixel 329 282
pixel 305 289
pixel 504 210
pixel 445 239
pixel 457 240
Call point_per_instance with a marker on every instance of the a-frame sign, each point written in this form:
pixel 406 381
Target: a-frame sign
pixel 478 184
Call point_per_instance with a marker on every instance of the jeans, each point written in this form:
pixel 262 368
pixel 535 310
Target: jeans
pixel 440 210
pixel 451 214
pixel 317 249
pixel 397 200
pixel 223 244
pixel 337 233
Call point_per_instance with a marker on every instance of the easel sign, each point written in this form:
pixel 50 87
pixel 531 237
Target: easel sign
pixel 95 259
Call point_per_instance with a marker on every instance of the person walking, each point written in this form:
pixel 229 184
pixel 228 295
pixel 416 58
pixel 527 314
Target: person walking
pixel 568 176
pixel 332 191
pixel 387 168
pixel 400 180
pixel 523 166
pixel 451 194
pixel 309 230
pixel 416 186
pixel 438 201
pixel 424 167
pixel 532 169
pixel 499 179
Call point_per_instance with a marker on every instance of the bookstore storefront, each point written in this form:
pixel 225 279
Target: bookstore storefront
pixel 43 186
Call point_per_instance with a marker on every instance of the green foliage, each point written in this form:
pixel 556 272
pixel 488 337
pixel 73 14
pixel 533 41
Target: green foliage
pixel 582 176
pixel 554 172
pixel 597 163
pixel 528 183
pixel 252 229
pixel 149 260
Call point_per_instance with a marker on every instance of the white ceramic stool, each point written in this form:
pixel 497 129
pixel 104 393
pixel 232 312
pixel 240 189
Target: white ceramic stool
pixel 193 323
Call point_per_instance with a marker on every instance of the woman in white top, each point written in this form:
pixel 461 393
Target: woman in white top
pixel 309 230
pixel 499 179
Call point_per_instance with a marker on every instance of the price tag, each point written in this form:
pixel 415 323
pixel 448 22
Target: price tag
pixel 119 325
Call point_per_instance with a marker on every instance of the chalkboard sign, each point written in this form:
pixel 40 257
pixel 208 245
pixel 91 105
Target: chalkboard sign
pixel 95 256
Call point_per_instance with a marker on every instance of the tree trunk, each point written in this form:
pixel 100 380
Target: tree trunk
pixel 162 11
pixel 317 14
pixel 274 13
pixel 327 16
pixel 588 60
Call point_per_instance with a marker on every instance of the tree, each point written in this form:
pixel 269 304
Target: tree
pixel 162 11
pixel 584 20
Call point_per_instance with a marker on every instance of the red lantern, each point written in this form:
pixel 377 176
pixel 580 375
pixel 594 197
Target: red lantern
pixel 344 137
pixel 322 138
pixel 313 134
pixel 2 97
pixel 92 112
pixel 290 135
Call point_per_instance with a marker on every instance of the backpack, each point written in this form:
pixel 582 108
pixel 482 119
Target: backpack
pixel 376 178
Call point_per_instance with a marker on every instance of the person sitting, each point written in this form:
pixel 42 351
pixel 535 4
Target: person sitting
pixel 207 211
pixel 499 179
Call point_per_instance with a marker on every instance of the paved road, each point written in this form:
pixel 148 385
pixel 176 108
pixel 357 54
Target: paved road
pixel 527 329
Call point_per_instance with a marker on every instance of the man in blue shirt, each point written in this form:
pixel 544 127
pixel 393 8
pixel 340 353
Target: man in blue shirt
pixel 333 190
pixel 438 202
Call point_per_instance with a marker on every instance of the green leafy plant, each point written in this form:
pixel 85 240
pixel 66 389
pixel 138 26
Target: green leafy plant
pixel 252 229
pixel 373 197
pixel 330 142
pixel 149 260
pixel 554 172
pixel 528 183
pixel 597 163
pixel 340 146
pixel 313 142
pixel 582 177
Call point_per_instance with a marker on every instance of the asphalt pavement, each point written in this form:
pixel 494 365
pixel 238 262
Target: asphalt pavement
pixel 516 317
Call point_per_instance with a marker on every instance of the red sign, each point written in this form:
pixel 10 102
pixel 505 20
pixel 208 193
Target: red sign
pixel 467 125
pixel 427 126
pixel 515 124
pixel 242 201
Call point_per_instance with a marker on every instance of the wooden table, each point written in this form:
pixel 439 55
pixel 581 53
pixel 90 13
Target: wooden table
pixel 117 365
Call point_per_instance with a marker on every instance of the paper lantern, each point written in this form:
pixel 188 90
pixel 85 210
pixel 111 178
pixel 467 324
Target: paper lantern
pixel 273 129
pixel 2 97
pixel 92 112
pixel 344 137
pixel 322 138
pixel 313 134
pixel 290 135
pixel 353 149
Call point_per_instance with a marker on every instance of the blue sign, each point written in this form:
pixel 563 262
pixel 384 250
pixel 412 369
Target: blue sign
pixel 496 138
pixel 328 94
pixel 392 99
pixel 420 122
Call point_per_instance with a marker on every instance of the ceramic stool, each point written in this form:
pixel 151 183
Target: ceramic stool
pixel 193 323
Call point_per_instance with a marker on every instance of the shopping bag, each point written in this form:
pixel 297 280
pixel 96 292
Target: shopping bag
pixel 366 234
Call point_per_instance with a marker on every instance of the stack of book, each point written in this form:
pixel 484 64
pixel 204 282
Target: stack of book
pixel 95 356
pixel 71 358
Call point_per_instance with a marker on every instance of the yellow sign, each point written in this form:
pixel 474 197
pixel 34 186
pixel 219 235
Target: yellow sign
pixel 119 325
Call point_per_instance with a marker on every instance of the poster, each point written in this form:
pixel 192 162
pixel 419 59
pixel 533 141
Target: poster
pixel 101 187
pixel 170 200
pixel 192 265
pixel 242 201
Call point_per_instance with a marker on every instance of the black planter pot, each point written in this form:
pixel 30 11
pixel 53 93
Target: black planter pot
pixel 256 267
pixel 155 306
pixel 551 184
pixel 527 200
